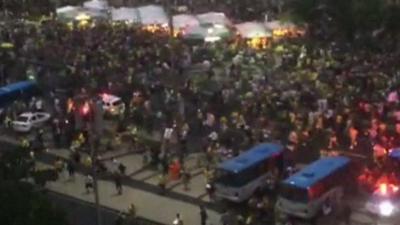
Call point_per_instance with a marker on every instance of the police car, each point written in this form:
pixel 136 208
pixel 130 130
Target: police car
pixel 384 201
pixel 112 105
pixel 26 121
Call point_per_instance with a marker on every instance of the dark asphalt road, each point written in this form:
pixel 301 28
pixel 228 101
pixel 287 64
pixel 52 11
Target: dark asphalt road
pixel 81 213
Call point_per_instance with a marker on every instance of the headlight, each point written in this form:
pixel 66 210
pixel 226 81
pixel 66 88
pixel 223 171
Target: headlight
pixel 386 208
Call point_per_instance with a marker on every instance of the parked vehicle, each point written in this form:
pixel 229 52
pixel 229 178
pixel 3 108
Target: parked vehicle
pixel 26 121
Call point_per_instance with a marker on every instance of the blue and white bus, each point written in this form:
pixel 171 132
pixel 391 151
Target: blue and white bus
pixel 238 178
pixel 319 185
pixel 22 90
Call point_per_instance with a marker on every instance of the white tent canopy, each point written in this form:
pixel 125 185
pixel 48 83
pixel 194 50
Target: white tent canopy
pixel 252 30
pixel 196 32
pixel 97 14
pixel 75 13
pixel 96 5
pixel 69 12
pixel 67 9
pixel 125 14
pixel 213 18
pixel 207 32
pixel 277 24
pixel 184 21
pixel 152 15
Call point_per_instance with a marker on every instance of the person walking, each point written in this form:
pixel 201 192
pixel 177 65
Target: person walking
pixel 118 183
pixel 56 132
pixel 177 220
pixel 59 165
pixel 71 170
pixel 122 169
pixel 162 183
pixel 88 183
pixel 186 180
pixel 203 215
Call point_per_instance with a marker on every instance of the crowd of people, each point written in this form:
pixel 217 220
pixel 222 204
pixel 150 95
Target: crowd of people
pixel 313 98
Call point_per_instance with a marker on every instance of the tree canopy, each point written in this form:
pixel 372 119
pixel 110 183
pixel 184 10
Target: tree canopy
pixel 21 202
pixel 348 17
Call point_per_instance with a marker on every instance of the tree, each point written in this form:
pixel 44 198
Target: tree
pixel 15 164
pixel 392 23
pixel 304 10
pixel 21 203
pixel 347 17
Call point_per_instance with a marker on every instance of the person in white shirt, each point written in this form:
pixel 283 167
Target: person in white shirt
pixel 177 220
pixel 88 183
pixel 39 105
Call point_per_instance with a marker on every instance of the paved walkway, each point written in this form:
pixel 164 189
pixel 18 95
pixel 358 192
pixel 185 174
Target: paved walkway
pixel 140 188
pixel 149 205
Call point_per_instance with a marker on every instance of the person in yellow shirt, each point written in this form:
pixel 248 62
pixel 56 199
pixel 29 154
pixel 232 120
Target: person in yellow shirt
pixel 25 143
pixel 88 161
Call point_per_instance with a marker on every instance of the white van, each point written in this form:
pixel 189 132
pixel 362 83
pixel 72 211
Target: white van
pixel 112 105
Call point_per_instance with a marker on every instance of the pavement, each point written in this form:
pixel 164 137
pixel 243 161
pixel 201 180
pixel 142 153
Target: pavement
pixel 139 187
pixel 83 213
pixel 149 205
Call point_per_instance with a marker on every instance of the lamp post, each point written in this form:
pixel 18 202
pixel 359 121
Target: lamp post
pixel 93 155
pixel 168 7
pixel 171 31
pixel 87 112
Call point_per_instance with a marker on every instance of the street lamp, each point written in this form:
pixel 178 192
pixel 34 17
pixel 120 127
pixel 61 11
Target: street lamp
pixel 171 30
pixel 86 112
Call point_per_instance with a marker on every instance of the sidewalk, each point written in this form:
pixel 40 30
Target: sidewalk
pixel 139 188
pixel 149 205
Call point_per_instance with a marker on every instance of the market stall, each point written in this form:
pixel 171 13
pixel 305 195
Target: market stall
pixel 125 14
pixel 184 21
pixel 254 33
pixel 100 5
pixel 284 29
pixel 79 16
pixel 153 17
pixel 69 12
pixel 213 18
pixel 207 32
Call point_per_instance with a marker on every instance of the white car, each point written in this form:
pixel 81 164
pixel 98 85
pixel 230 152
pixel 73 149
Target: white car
pixel 112 104
pixel 26 121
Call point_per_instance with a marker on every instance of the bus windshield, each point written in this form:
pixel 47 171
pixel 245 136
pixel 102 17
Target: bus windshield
pixel 293 193
pixel 228 178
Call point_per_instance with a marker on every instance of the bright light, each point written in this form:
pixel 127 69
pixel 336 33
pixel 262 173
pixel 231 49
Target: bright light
pixel 85 108
pixel 386 208
pixel 387 189
pixel 82 16
pixel 210 30
pixel 212 39
pixel 218 26
pixel 383 189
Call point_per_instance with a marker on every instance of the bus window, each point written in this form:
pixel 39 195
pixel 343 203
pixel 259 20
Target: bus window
pixel 236 179
pixel 294 194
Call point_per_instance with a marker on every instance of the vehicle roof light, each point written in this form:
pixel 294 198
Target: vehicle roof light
pixel 383 189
